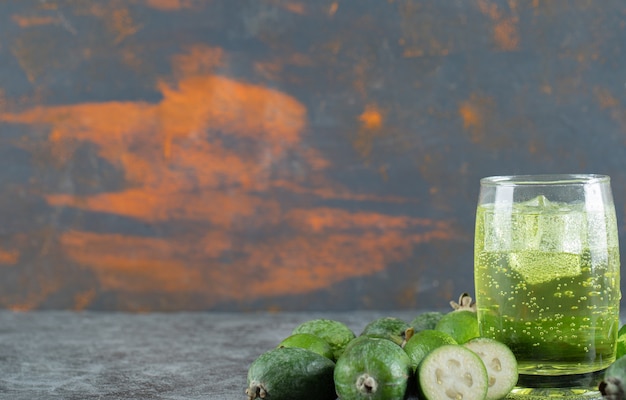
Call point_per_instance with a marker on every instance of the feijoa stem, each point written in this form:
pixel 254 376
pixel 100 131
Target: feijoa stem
pixel 366 384
pixel 408 334
pixel 465 303
pixel 256 391
pixel 612 388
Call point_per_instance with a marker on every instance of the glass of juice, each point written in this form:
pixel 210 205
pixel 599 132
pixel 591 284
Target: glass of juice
pixel 547 277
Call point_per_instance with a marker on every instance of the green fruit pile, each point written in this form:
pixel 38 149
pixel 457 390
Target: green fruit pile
pixel 436 356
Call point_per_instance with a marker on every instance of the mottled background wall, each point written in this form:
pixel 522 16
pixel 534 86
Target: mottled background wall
pixel 285 154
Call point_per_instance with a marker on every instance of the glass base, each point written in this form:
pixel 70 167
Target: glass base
pixel 565 387
pixel 554 394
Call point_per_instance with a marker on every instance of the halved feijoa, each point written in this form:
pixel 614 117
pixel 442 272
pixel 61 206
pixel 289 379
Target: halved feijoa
pixel 372 369
pixel 288 373
pixel 452 372
pixel 500 363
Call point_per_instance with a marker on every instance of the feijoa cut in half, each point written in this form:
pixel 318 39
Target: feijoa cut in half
pixel 500 363
pixel 288 373
pixel 452 372
pixel 372 369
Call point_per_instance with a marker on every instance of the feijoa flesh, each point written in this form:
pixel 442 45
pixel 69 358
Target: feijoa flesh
pixel 500 363
pixel 288 373
pixel 372 369
pixel 452 372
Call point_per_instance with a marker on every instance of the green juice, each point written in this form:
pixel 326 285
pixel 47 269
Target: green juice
pixel 547 287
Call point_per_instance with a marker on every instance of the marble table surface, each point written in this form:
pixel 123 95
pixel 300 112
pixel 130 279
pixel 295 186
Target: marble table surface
pixel 174 356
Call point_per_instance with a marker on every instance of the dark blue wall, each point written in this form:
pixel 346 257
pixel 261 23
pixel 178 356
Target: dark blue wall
pixel 274 154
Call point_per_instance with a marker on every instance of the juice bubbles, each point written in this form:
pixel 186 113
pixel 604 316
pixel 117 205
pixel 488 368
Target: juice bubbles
pixel 547 283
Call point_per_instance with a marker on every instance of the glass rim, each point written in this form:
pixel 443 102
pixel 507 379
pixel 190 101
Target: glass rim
pixel 544 180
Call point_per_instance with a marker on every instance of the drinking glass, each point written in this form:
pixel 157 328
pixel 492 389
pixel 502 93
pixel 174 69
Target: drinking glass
pixel 547 277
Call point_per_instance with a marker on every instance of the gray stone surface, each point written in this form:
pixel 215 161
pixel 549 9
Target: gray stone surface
pixel 87 355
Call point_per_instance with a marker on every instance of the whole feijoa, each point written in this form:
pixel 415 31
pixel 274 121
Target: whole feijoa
pixel 391 328
pixel 372 369
pixel 336 333
pixel 309 342
pixel 288 373
pixel 426 320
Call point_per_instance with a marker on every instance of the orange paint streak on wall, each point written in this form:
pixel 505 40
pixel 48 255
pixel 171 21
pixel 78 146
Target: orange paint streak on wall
pixel 325 252
pixel 505 30
pixel 607 101
pixel 334 191
pixel 139 264
pixel 332 10
pixel 323 219
pixel 423 38
pixel 29 21
pixel 115 15
pixel 489 8
pixel 196 105
pixel 371 121
pixel 475 113
pixel 303 264
pixel 9 257
pixel 83 299
pixel 122 23
pixel 147 265
pixel 470 115
pixel 198 60
pixel 31 58
pixel 371 118
pixel 206 153
pixel 506 34
pixel 159 206
pixel 295 7
pixel 169 5
pixel 32 299
pixel 605 98
pixel 48 6
pixel 272 69
pixel 243 109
